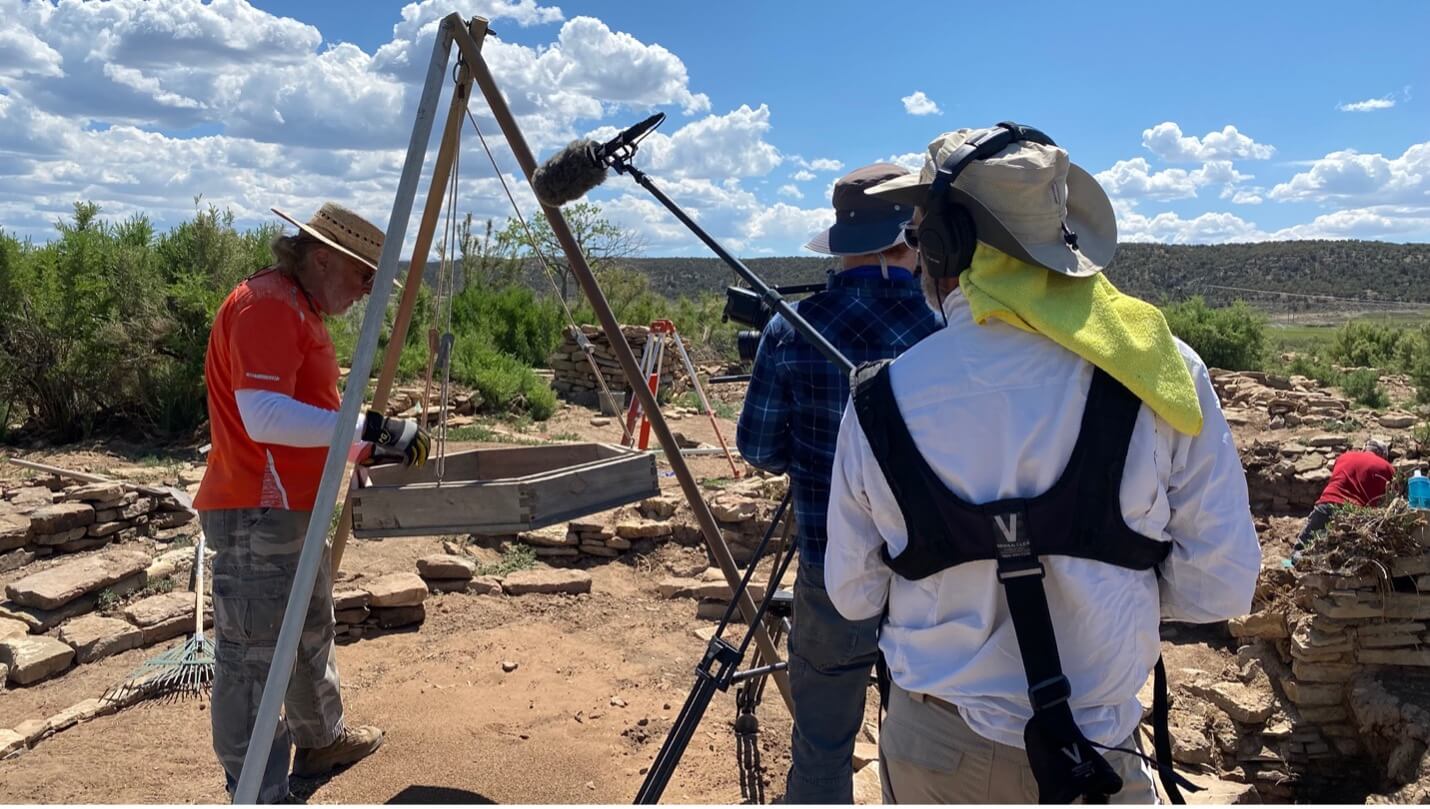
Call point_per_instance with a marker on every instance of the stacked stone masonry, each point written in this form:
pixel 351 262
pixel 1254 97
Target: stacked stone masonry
pixel 1314 709
pixel 574 380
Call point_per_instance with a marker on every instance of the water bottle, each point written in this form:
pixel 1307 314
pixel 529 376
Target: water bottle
pixel 1419 491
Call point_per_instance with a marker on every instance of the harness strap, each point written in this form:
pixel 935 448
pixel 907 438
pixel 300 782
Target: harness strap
pixel 1162 738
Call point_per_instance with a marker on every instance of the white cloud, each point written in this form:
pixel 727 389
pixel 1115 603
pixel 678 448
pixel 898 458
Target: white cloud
pixel 1361 223
pixel 803 175
pixel 1171 228
pixel 1368 105
pixel 913 161
pixel 1349 175
pixel 920 104
pixel 717 146
pixel 1135 178
pixel 1165 140
pixel 1245 197
pixel 825 164
pixel 22 53
pixel 791 191
pixel 786 223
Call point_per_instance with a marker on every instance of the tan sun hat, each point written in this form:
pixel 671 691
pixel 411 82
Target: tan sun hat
pixel 1020 199
pixel 344 231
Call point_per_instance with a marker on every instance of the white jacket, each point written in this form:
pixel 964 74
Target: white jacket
pixel 996 411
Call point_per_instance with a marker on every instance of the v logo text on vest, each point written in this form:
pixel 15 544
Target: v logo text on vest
pixel 1073 753
pixel 1013 535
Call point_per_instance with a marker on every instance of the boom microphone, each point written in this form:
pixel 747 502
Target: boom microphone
pixel 569 174
pixel 581 166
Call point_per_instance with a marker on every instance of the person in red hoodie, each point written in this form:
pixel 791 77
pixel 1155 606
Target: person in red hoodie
pixel 1359 477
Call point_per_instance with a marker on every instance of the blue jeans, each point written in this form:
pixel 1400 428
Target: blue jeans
pixel 829 663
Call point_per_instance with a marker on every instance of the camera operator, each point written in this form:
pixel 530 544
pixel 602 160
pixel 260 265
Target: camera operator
pixel 871 309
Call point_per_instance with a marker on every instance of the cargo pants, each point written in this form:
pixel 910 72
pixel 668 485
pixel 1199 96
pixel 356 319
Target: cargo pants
pixel 256 558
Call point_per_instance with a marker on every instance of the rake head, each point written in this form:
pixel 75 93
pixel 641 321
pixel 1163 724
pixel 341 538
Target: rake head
pixel 183 671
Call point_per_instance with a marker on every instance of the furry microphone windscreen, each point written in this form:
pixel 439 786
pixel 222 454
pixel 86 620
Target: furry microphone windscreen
pixel 568 175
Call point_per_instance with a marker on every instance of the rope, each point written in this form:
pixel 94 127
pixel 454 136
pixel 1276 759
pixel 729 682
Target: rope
pixel 439 349
pixel 585 344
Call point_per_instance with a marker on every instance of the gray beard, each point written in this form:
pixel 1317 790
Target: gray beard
pixel 930 287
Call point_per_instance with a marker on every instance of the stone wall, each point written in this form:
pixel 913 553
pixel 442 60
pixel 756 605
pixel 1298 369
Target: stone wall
pixel 1314 709
pixel 574 380
pixel 45 517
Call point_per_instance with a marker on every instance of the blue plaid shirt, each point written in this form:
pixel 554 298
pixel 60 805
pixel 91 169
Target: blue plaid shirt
pixel 796 398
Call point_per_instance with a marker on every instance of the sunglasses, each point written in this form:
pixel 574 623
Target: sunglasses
pixel 910 233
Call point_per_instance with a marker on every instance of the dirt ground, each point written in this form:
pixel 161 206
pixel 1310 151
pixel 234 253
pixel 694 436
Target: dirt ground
pixel 600 679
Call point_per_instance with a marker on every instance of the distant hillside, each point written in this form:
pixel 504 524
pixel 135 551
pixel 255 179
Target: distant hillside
pixel 1346 269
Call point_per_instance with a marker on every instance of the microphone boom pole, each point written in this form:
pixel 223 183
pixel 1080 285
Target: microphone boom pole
pixel 621 163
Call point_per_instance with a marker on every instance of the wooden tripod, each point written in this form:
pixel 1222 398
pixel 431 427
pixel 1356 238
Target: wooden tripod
pixel 472 68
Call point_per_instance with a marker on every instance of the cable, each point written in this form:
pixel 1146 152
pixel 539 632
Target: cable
pixel 581 341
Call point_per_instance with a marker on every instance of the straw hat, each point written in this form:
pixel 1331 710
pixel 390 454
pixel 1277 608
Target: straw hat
pixel 344 231
pixel 1020 200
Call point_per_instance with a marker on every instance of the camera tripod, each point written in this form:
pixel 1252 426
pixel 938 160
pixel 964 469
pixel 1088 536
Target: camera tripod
pixel 719 669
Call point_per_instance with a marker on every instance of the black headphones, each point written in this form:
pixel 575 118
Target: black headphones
pixel 946 235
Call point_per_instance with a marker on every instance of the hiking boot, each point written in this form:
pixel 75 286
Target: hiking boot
pixel 354 745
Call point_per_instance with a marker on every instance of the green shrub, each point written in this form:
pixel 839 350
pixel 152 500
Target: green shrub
pixel 1414 361
pixel 1361 344
pixel 1231 338
pixel 1364 387
pixel 1314 367
pixel 504 382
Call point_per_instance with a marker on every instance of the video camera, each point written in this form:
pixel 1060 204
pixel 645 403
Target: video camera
pixel 746 307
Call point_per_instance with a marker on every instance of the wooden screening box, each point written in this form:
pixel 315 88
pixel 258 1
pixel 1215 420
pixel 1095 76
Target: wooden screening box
pixel 502 491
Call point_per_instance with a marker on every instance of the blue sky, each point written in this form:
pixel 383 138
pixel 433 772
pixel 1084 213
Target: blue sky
pixel 284 103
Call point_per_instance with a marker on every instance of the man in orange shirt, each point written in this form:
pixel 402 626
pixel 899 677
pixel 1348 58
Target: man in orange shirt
pixel 272 378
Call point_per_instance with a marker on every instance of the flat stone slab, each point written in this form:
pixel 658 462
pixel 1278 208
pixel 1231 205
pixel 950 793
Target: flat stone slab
pixel 10 741
pixel 349 599
pixel 95 638
pixel 13 628
pixel 34 657
pixel 547 580
pixel 396 590
pixel 97 493
pixel 58 586
pixel 176 626
pixel 170 519
pixel 61 517
pixel 552 536
pixel 14 529
pixel 446 566
pixel 161 608
pixel 703 588
pixel 16 559
pixel 644 529
pixel 485 586
pixel 733 509
pixel 30 498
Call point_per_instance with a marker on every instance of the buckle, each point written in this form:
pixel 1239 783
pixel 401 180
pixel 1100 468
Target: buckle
pixel 1057 689
pixel 1019 569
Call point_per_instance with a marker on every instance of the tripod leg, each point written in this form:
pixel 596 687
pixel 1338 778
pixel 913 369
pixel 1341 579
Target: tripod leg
pixel 674 747
pixel 635 409
pixel 704 402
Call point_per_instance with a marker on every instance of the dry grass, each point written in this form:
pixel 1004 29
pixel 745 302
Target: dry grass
pixel 1361 538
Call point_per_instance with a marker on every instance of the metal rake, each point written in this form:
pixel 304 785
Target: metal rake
pixel 184 670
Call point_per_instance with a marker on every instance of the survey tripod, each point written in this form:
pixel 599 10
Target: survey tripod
pixel 718 668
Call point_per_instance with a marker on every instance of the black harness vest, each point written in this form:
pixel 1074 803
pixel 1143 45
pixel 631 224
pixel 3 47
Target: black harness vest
pixel 1080 515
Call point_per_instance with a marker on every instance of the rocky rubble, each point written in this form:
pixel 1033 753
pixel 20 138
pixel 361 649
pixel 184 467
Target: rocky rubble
pixel 1286 471
pixel 1330 696
pixel 462 405
pixel 45 517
